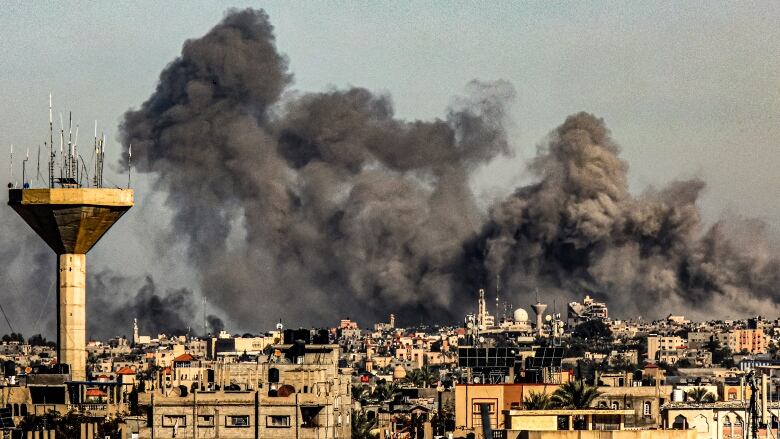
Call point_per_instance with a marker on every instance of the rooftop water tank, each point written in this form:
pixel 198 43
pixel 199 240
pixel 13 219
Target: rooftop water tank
pixel 520 315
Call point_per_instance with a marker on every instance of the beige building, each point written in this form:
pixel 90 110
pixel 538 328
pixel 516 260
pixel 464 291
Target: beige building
pixel 720 420
pixel 642 404
pixel 297 392
pixel 656 343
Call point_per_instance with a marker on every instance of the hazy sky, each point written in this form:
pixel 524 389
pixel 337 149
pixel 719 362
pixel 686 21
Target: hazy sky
pixel 688 88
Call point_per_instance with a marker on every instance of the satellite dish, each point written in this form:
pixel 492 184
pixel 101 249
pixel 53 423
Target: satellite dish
pixel 482 339
pixel 547 318
pixel 469 325
pixel 476 380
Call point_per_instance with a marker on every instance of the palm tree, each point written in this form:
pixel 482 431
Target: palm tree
pixel 538 401
pixel 385 391
pixel 359 391
pixel 700 394
pixel 362 426
pixel 422 377
pixel 575 395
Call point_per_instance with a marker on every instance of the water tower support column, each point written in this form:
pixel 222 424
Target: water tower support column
pixel 71 314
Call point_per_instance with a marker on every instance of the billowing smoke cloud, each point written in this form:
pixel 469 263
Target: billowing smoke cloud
pixel 579 230
pixel 310 206
pixel 320 202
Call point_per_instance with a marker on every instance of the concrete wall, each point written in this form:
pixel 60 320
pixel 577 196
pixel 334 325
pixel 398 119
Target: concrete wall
pixel 624 434
pixel 533 423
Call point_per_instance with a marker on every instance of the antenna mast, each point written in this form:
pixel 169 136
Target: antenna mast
pixel 51 147
pixel 498 288
pixel 38 171
pixel 129 165
pixel 97 157
pixel 204 317
pixel 24 169
pixel 62 145
pixel 12 167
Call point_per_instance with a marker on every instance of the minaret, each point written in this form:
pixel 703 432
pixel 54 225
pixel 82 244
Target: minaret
pixel 136 339
pixel 481 309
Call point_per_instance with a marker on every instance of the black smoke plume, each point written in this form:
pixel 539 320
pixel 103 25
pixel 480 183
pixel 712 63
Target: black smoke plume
pixel 578 229
pixel 320 202
pixel 312 205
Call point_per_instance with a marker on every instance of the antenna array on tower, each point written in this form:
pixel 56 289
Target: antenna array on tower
pixel 73 170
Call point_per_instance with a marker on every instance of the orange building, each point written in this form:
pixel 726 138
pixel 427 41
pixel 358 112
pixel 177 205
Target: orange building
pixel 498 397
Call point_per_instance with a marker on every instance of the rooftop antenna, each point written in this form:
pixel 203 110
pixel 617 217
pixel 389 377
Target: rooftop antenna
pixel 38 172
pixel 62 145
pixel 11 184
pixel 102 157
pixel 74 161
pixel 97 156
pixel 205 332
pixel 69 159
pixel 51 147
pixel 498 288
pixel 129 165
pixel 24 169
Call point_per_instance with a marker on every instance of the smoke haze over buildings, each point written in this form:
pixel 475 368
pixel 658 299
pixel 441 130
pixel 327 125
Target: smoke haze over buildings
pixel 321 204
pixel 312 206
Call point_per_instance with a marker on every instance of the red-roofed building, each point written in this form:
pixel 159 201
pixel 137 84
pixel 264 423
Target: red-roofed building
pixel 187 371
pixel 95 396
pixel 126 376
pixel 124 370
pixel 183 358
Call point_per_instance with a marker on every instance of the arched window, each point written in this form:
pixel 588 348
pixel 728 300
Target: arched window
pixel 647 409
pixel 728 427
pixel 680 423
pixel 615 405
pixel 602 404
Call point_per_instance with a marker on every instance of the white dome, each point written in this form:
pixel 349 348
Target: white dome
pixel 520 315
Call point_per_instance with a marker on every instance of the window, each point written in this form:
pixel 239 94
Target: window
pixel 680 423
pixel 237 421
pixel 476 412
pixel 277 421
pixel 174 420
pixel 205 421
pixel 647 409
pixel 310 416
pixel 615 405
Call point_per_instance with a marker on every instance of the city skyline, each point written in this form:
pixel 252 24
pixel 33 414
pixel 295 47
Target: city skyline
pixel 741 113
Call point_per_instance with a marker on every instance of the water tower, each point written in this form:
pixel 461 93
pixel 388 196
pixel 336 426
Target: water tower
pixel 539 309
pixel 71 218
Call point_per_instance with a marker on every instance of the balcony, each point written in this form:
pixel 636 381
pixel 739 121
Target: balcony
pixel 91 407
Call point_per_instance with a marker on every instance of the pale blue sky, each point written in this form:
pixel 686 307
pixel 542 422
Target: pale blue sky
pixel 688 88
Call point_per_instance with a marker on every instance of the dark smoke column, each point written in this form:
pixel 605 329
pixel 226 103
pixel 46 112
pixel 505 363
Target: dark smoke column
pixel 312 204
